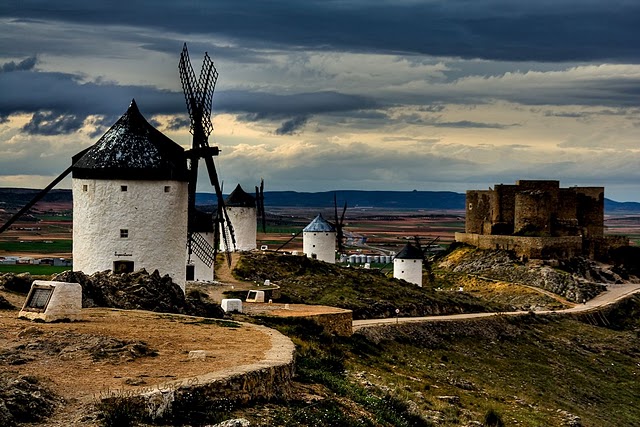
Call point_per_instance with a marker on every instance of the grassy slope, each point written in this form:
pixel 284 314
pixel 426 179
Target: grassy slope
pixel 531 370
pixel 369 293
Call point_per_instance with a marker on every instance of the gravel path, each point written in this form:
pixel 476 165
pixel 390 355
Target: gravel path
pixel 612 294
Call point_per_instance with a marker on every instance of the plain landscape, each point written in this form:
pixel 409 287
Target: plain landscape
pixel 533 370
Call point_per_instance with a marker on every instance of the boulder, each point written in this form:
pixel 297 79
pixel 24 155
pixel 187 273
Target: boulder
pixel 139 290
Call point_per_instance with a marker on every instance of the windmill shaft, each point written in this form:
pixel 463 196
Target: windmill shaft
pixel 36 199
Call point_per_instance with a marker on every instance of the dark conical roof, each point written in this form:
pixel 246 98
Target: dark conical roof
pixel 240 198
pixel 319 224
pixel 132 149
pixel 409 252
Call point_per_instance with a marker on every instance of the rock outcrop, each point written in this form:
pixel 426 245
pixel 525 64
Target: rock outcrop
pixel 139 290
pixel 576 279
pixel 24 400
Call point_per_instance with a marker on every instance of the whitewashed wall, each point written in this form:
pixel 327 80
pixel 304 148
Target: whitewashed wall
pixel 321 243
pixel 409 270
pixel 202 273
pixel 244 222
pixel 156 221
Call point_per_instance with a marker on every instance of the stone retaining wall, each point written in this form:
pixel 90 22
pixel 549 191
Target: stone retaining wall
pixel 263 380
pixel 335 323
pixel 545 247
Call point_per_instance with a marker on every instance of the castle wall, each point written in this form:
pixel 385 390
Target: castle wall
pixel 590 212
pixel 155 221
pixel 322 244
pixel 409 270
pixel 504 211
pixel 478 210
pixel 533 211
pixel 565 222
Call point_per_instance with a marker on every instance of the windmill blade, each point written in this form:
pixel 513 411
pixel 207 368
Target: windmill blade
pixel 222 222
pixel 260 205
pixel 207 85
pixel 289 241
pixel 341 227
pixel 213 177
pixel 36 199
pixel 338 222
pixel 189 84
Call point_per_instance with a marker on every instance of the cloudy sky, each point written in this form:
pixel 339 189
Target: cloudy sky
pixel 320 95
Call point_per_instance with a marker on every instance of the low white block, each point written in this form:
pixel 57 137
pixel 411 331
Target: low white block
pixel 231 305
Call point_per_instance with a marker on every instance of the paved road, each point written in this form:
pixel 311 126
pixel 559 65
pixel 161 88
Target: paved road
pixel 611 295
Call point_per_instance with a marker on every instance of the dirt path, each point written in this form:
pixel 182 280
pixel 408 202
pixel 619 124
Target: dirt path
pixel 612 294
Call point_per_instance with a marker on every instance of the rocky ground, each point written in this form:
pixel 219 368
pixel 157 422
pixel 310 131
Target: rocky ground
pixel 577 280
pixel 129 291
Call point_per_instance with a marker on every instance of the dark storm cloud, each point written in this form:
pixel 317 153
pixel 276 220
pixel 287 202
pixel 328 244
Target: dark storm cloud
pixel 289 127
pixel 178 123
pixel 263 105
pixel 560 30
pixel 28 91
pixel 469 124
pixel 48 123
pixel 67 102
pixel 25 64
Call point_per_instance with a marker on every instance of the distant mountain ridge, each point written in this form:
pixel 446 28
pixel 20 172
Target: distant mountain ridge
pixel 358 198
pixel 442 200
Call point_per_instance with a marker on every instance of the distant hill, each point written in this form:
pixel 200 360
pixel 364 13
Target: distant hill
pixel 355 198
pixel 12 198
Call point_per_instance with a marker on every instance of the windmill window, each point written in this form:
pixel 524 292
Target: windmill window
pixel 123 188
pixel 85 187
pixel 314 246
pixel 167 188
pixel 124 233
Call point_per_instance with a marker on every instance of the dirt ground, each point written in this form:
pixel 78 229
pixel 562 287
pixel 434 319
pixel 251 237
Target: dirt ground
pixel 120 350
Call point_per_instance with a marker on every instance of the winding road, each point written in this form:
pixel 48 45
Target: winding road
pixel 613 294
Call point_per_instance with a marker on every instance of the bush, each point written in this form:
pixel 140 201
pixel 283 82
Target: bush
pixel 119 409
pixel 493 419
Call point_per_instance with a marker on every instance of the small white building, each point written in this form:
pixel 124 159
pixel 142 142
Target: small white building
pixel 130 201
pixel 241 208
pixel 407 265
pixel 319 240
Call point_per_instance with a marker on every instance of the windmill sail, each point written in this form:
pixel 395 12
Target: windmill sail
pixel 198 96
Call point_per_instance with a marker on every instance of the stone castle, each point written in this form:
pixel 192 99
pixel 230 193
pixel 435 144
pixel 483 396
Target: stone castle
pixel 538 219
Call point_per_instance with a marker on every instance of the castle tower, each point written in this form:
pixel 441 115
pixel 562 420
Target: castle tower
pixel 407 265
pixel 130 201
pixel 319 240
pixel 241 208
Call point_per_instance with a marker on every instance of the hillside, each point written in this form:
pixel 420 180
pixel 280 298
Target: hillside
pixel 557 370
pixel 368 293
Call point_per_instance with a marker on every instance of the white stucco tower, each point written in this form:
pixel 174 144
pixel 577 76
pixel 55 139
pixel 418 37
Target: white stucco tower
pixel 319 240
pixel 130 201
pixel 407 265
pixel 241 208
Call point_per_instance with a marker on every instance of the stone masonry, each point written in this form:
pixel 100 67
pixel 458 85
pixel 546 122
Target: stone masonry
pixel 538 219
